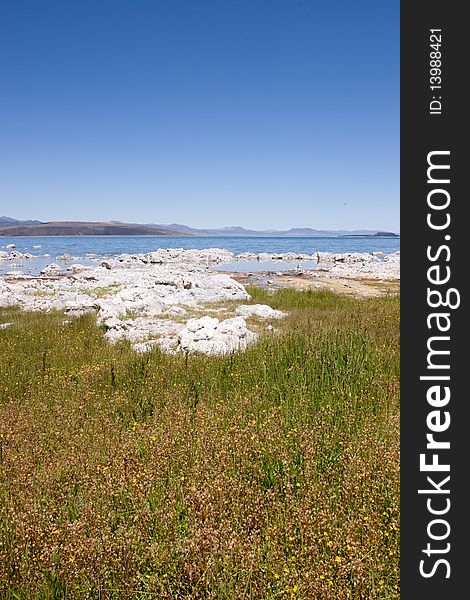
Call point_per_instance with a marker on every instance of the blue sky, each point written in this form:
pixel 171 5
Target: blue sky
pixel 259 113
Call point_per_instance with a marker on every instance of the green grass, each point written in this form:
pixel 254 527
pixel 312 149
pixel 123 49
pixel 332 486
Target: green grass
pixel 42 293
pixel 268 474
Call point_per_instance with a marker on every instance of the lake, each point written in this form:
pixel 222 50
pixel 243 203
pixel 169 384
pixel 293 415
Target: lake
pixel 89 248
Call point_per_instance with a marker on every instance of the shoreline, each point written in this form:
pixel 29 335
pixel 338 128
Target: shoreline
pixel 177 300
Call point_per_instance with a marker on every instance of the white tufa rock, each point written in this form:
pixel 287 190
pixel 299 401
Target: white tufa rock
pixel 143 292
pixel 52 269
pixel 77 268
pixel 178 311
pixel 66 256
pixel 263 311
pixel 211 336
pixel 15 255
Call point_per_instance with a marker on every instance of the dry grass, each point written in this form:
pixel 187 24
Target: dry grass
pixel 268 474
pixel 385 286
pixel 101 292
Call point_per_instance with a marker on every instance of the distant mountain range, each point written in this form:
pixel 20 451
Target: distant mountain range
pixel 293 232
pixel 8 221
pixel 14 227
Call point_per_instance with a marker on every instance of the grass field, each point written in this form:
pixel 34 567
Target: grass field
pixel 272 473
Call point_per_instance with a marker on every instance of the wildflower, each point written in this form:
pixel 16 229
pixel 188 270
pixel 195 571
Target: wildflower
pixel 338 559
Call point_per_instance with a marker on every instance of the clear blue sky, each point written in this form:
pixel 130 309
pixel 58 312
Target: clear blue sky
pixel 259 113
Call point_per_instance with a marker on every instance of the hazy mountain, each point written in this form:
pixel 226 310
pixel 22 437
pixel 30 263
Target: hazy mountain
pixel 376 234
pixel 15 227
pixel 83 228
pixel 6 221
pixel 293 232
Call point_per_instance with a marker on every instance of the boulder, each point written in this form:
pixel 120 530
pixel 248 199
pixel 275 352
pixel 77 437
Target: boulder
pixel 52 269
pixel 210 336
pixel 263 311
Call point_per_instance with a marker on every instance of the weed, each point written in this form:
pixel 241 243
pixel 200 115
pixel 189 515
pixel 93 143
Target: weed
pixel 272 473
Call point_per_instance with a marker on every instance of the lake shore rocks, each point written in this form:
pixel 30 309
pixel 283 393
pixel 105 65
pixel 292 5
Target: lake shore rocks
pixel 373 267
pixel 159 298
pixel 145 299
pixel 211 336
pixel 14 255
pixel 263 311
pixel 352 264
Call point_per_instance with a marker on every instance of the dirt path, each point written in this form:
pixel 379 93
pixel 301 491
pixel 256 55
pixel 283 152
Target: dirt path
pixel 346 286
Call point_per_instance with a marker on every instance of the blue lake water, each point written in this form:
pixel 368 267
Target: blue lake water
pixel 113 245
pixel 87 248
